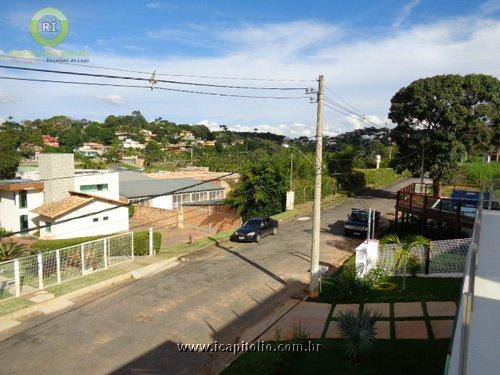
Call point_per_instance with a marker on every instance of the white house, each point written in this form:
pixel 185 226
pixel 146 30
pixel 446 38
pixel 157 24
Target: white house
pixel 17 199
pixel 81 215
pixel 130 143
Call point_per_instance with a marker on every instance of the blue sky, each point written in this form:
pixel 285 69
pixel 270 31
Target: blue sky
pixel 367 50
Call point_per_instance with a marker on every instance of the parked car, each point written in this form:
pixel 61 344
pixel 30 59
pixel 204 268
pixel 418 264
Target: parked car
pixel 357 222
pixel 254 229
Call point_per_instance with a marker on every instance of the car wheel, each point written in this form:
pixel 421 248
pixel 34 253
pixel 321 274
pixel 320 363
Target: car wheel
pixel 275 231
pixel 347 233
pixel 257 238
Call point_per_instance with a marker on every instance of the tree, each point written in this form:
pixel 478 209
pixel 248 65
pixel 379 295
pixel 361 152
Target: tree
pixel 9 160
pixel 152 153
pixel 404 246
pixel 448 116
pixel 261 190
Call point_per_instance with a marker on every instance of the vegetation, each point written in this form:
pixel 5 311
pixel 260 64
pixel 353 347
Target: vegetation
pixel 47 245
pixel 141 242
pixel 358 332
pixel 404 246
pixel 10 250
pixel 451 116
pixel 388 357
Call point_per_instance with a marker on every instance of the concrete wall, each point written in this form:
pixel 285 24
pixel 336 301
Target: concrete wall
pixel 10 210
pixel 164 201
pixel 53 168
pixel 83 227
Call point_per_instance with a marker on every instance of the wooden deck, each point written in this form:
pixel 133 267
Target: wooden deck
pixel 417 199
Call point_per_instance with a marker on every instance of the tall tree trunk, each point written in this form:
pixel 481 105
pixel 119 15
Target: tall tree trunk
pixel 404 275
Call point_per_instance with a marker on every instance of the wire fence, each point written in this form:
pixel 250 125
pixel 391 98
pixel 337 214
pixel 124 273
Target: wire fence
pixel 35 272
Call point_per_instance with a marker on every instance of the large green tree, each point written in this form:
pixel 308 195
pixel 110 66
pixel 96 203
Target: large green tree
pixel 447 116
pixel 262 188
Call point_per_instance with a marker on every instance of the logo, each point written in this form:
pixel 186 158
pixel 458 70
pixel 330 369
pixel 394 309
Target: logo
pixel 49 27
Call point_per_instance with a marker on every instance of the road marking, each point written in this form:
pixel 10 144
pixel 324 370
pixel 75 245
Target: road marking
pixel 303 218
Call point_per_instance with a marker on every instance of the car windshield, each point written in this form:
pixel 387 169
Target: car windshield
pixel 359 216
pixel 253 223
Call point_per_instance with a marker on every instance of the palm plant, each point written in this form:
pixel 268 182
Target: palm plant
pixel 10 250
pixel 404 246
pixel 358 332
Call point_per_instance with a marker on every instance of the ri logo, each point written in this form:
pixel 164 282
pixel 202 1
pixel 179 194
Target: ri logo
pixel 49 27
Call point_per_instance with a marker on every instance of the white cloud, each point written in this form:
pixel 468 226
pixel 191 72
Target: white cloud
pixel 157 5
pixel 365 71
pixel 5 98
pixel 490 7
pixel 111 99
pixel 405 13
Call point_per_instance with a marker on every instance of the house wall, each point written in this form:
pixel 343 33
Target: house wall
pixel 111 179
pixel 10 211
pixel 164 201
pixel 83 227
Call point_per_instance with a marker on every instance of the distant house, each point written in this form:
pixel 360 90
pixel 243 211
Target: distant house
pixel 49 140
pixel 135 187
pixel 91 149
pixel 187 135
pixel 131 144
pixel 81 215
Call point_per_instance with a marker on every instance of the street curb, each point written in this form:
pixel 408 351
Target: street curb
pixel 135 275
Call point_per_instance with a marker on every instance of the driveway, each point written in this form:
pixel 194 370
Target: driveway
pixel 214 294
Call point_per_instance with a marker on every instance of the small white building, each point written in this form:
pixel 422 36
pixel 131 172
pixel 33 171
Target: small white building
pixel 17 199
pixel 131 144
pixel 81 215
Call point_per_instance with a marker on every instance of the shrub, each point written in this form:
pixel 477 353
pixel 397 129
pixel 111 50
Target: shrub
pixel 347 282
pixel 141 242
pixel 131 211
pixel 47 245
pixel 358 332
pixel 10 250
pixel 413 265
pixel 377 275
pixel 4 232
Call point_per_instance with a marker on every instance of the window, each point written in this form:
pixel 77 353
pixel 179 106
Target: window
pixel 94 187
pixel 105 218
pixel 95 219
pixel 48 227
pixel 23 199
pixel 23 223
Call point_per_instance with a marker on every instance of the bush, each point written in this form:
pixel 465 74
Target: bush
pixel 47 245
pixel 413 265
pixel 347 282
pixel 141 242
pixel 352 182
pixel 377 275
pixel 131 211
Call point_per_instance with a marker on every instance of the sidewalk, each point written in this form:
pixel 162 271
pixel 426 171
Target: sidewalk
pixel 61 296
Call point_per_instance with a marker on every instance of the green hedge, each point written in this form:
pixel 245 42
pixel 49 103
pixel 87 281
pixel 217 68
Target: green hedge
pixel 141 242
pixel 47 245
pixel 378 178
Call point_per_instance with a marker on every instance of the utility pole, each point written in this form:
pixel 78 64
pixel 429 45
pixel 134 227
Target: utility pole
pixel 314 281
pixel 291 170
pixel 422 166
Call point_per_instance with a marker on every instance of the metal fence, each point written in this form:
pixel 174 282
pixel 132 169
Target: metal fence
pixel 29 274
pixel 446 256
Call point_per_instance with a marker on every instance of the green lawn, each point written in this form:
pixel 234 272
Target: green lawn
pixel 417 289
pixel 388 357
pixel 13 304
pixel 184 248
pixel 82 282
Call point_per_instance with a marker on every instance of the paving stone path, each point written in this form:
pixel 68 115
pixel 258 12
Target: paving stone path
pixel 400 320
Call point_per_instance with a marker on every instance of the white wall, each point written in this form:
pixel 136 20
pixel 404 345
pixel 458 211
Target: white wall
pixel 111 179
pixel 83 227
pixel 164 201
pixel 10 210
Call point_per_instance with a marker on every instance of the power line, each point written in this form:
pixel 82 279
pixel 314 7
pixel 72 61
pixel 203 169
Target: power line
pixel 94 75
pixel 32 60
pixel 345 101
pixel 149 87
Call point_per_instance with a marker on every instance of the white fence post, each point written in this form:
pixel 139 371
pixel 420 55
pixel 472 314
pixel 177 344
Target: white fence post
pixel 58 266
pixel 82 257
pixel 40 270
pixel 105 249
pixel 132 244
pixel 17 278
pixel 151 241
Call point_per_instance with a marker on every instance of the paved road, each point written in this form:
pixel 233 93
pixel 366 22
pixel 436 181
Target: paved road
pixel 214 294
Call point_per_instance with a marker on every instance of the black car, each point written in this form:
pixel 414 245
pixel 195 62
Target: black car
pixel 254 229
pixel 357 222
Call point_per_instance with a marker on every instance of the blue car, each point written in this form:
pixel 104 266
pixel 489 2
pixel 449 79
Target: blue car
pixel 357 222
